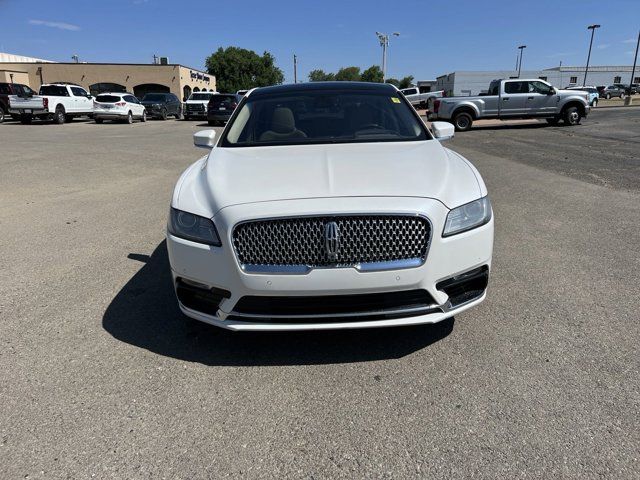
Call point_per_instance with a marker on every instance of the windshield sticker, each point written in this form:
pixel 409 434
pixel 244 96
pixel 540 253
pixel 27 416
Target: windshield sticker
pixel 395 99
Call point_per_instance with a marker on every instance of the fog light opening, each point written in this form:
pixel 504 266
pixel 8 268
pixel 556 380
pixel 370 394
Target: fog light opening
pixel 200 297
pixel 465 287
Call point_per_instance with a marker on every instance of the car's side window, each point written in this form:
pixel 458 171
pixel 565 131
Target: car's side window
pixel 130 99
pixel 516 87
pixel 78 92
pixel 538 87
pixel 4 89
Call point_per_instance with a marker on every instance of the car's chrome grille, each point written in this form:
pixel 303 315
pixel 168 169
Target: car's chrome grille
pixel 195 107
pixel 387 241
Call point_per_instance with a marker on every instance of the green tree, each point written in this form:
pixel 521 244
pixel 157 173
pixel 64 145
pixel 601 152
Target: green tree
pixel 372 74
pixel 348 74
pixel 406 82
pixel 393 81
pixel 320 76
pixel 240 69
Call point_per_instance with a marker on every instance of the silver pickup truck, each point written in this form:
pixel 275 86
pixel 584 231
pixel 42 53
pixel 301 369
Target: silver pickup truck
pixel 515 98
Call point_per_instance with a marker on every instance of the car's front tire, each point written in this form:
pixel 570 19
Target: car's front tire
pixel 572 116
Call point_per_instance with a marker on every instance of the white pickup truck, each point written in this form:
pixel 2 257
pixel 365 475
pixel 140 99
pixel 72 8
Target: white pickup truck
pixel 56 101
pixel 420 97
pixel 196 104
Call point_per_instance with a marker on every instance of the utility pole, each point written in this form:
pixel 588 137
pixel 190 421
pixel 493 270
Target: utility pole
pixel 635 60
pixel 295 68
pixel 586 70
pixel 521 48
pixel 384 43
pixel 75 58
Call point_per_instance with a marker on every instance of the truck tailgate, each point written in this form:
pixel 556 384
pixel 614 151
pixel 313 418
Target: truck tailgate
pixel 22 103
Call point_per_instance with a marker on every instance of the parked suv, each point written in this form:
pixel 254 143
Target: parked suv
pixel 7 89
pixel 162 105
pixel 221 107
pixel 612 91
pixel 118 106
pixel 593 93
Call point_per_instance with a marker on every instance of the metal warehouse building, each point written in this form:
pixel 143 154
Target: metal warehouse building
pixel 472 83
pixel 138 78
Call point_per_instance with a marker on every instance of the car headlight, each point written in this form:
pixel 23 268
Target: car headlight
pixel 193 227
pixel 467 217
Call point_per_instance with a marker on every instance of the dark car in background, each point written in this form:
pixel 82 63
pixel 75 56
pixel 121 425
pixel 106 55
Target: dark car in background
pixel 221 107
pixel 612 91
pixel 7 89
pixel 162 105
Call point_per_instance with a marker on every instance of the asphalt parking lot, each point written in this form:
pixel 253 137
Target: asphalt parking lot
pixel 101 378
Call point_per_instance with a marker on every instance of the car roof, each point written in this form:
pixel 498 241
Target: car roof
pixel 116 93
pixel 319 86
pixel 61 85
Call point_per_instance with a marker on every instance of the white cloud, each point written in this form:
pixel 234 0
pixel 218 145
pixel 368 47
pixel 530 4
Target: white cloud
pixel 602 46
pixel 629 40
pixel 59 25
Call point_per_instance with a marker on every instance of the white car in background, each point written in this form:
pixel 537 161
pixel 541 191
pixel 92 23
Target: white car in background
pixel 324 206
pixel 118 106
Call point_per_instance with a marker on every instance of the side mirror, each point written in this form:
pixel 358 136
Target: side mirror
pixel 552 91
pixel 204 139
pixel 443 130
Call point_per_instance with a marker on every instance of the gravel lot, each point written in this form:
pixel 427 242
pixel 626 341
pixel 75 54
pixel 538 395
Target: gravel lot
pixel 100 378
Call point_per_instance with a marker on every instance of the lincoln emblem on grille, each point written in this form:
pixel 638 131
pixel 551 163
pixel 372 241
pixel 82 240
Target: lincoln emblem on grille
pixel 332 240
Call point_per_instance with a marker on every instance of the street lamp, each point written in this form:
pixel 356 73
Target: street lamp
pixel 593 30
pixel 384 43
pixel 633 70
pixel 521 48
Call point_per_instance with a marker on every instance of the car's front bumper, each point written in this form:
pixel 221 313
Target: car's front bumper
pixel 217 267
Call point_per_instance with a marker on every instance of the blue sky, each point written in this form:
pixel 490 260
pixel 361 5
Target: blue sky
pixel 435 37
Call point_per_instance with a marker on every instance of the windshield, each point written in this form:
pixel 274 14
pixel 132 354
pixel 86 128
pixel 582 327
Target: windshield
pixel 324 116
pixel 200 96
pixel 154 97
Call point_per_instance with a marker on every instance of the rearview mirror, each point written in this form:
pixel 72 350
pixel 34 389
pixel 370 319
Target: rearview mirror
pixel 204 139
pixel 443 130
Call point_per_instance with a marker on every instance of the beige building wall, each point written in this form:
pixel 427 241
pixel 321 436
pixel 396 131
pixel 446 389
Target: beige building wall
pixel 177 79
pixel 15 76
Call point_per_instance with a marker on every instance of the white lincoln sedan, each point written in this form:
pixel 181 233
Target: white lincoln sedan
pixel 328 205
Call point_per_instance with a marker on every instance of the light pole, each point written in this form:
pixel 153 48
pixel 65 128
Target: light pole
pixel 384 43
pixel 75 58
pixel 586 70
pixel 295 68
pixel 521 48
pixel 635 60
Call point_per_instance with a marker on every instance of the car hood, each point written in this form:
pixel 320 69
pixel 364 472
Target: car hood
pixel 234 176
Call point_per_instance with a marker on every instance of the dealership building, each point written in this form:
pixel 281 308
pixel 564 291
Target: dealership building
pixel 460 83
pixel 138 78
